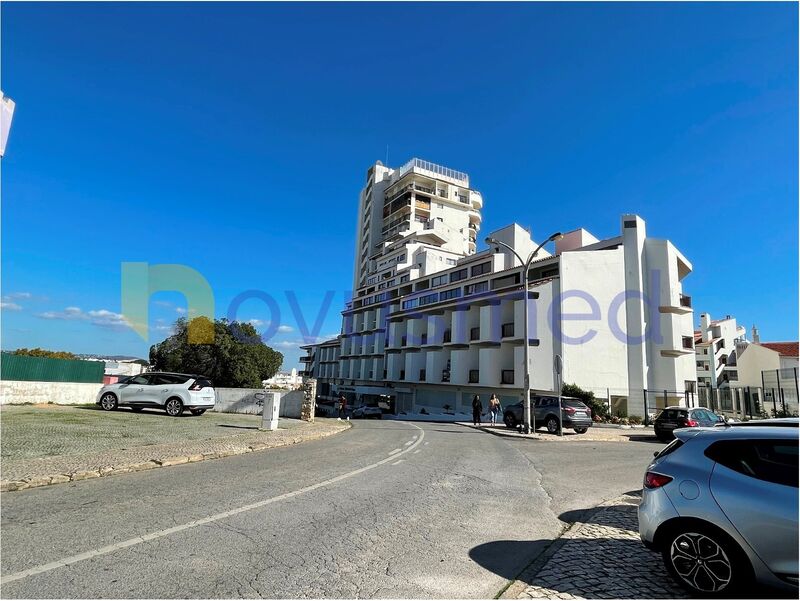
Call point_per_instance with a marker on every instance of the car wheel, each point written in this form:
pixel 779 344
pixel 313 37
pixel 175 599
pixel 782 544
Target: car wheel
pixel 580 430
pixel 108 402
pixel 510 421
pixel 552 424
pixel 197 411
pixel 706 562
pixel 174 407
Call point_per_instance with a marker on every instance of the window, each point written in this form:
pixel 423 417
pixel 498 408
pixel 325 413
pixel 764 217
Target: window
pixel 457 276
pixel 411 303
pixel 404 278
pixel 508 330
pixel 481 269
pixel 438 280
pixel 448 294
pixel 769 460
pixel 428 299
pixel 422 375
pixel 474 333
pixel 139 380
pixel 165 379
pixel 451 261
pixel 474 376
pixel 476 288
pixel 688 342
pixel 507 376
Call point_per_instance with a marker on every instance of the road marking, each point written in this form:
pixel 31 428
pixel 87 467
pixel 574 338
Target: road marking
pixel 417 451
pixel 47 567
pixel 398 462
pixel 408 443
pixel 392 452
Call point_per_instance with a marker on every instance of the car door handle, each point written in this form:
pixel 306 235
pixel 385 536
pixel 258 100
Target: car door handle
pixel 165 390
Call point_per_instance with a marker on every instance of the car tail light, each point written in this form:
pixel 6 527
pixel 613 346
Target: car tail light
pixel 690 423
pixel 654 480
pixel 569 410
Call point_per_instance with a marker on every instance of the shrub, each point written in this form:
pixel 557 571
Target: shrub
pixel 635 420
pixel 597 406
pixel 614 419
pixel 624 421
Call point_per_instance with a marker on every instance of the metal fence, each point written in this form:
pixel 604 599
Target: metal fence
pixel 44 369
pixel 780 391
pixel 752 402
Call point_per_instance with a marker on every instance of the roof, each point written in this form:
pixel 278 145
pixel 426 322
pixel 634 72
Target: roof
pixel 786 349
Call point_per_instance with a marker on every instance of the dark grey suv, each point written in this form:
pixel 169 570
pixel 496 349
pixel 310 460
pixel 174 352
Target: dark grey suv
pixel 574 413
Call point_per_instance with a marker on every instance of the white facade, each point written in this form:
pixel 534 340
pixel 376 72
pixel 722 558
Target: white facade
pixel 430 334
pixel 285 379
pixel 716 350
pixel 415 219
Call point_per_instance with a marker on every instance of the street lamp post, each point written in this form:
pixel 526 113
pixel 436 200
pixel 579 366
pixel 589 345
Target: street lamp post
pixel 527 428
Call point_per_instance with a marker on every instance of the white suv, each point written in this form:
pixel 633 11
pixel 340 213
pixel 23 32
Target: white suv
pixel 171 392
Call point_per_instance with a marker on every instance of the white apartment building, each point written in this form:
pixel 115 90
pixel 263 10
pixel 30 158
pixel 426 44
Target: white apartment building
pixel 716 345
pixel 284 379
pixel 415 219
pixel 431 334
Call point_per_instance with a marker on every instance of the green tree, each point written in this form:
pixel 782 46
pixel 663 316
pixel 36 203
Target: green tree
pixel 598 407
pixel 237 359
pixel 40 352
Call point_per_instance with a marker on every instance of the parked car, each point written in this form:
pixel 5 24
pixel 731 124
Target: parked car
pixel 367 412
pixel 674 417
pixel 720 504
pixel 171 392
pixel 574 413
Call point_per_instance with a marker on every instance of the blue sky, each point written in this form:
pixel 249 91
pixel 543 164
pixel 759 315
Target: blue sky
pixel 234 139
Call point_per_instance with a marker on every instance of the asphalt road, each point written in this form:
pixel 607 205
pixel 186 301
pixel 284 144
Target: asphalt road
pixel 386 509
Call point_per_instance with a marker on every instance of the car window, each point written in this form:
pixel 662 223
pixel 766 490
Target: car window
pixel 672 414
pixel 769 460
pixel 165 379
pixel 141 379
pixel 203 383
pixel 571 403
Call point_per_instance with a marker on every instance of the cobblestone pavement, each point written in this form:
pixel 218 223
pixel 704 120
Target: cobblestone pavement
pixel 594 434
pixel 52 445
pixel 602 558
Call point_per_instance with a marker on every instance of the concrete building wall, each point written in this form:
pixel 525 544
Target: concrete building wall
pixel 15 392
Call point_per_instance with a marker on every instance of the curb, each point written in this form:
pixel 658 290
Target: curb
pixel 515 587
pixel 140 466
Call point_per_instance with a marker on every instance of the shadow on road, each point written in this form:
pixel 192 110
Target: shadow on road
pixel 507 558
pixel 238 427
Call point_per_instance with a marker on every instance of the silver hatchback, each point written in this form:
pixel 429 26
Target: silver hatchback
pixel 721 506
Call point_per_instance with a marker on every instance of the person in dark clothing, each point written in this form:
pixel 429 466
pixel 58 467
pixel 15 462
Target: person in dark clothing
pixel 477 409
pixel 342 406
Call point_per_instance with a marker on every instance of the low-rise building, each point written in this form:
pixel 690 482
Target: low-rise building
pixel 284 379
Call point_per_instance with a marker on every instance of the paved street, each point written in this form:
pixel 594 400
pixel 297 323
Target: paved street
pixel 385 509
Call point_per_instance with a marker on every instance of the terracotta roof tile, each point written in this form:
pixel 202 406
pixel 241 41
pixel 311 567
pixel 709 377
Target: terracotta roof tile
pixel 787 349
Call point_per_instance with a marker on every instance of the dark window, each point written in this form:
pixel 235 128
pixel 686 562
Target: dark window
pixel 163 379
pixel 769 460
pixel 410 304
pixel 459 275
pixel 439 280
pixel 507 376
pixel 670 448
pixel 447 336
pixel 481 269
pixel 448 294
pixel 473 376
pixel 508 330
pixel 139 380
pixel 672 414
pixel 424 339
pixel 476 288
pixel 422 375
pixel 203 383
pixel 402 374
pixel 428 299
pixel 474 333
pixel 630 224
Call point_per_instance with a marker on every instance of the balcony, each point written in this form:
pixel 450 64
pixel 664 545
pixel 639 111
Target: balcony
pixel 681 307
pixel 686 347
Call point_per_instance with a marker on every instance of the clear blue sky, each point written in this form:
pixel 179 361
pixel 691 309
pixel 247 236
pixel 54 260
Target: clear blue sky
pixel 234 139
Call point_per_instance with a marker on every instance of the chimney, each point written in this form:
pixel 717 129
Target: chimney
pixel 705 326
pixel 755 334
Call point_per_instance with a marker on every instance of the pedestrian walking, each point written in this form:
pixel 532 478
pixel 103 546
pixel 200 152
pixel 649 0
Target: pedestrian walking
pixel 477 409
pixel 494 409
pixel 342 407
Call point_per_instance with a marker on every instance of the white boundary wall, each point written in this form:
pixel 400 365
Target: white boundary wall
pixel 15 392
